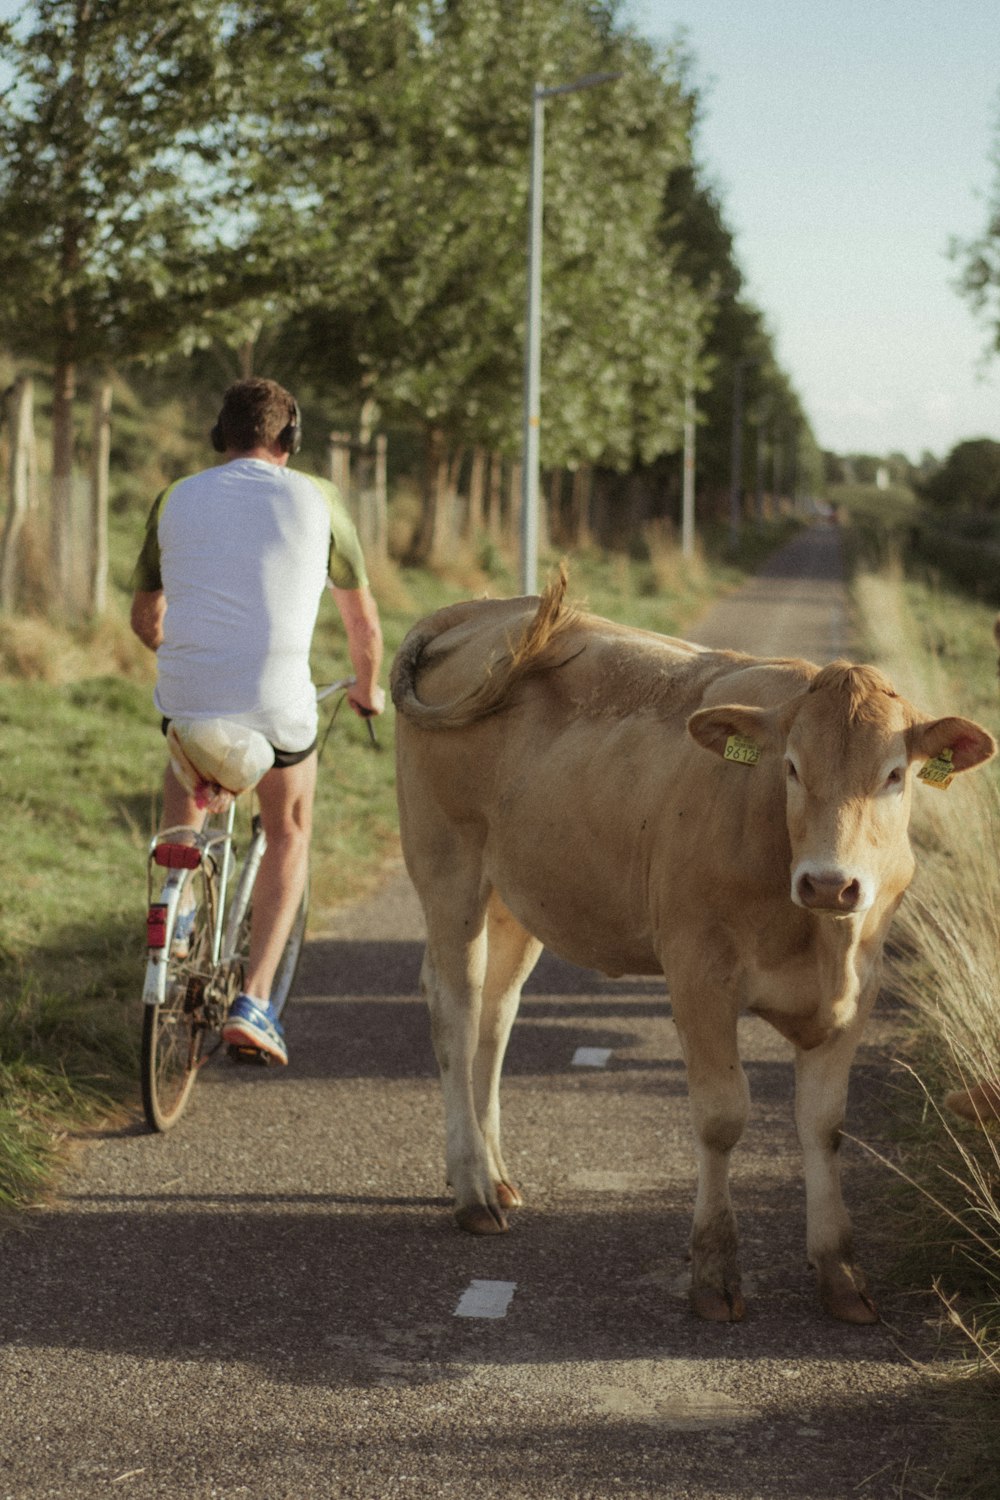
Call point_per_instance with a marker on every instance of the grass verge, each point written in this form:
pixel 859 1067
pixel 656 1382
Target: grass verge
pixel 937 647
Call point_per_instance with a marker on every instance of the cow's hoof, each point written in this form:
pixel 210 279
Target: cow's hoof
pixel 479 1218
pixel 718 1307
pixel 508 1194
pixel 849 1305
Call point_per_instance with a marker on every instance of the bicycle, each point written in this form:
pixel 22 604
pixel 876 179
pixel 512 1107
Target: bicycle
pixel 189 988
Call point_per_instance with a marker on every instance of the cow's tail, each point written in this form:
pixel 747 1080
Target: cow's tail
pixel 528 655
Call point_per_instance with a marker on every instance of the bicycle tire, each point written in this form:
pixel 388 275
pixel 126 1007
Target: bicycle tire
pixel 174 1030
pixel 288 964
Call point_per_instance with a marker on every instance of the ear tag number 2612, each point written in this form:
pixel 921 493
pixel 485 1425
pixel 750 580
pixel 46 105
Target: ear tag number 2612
pixel 741 750
pixel 939 771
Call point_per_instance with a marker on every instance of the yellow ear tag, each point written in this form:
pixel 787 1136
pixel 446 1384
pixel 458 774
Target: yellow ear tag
pixel 742 750
pixel 938 772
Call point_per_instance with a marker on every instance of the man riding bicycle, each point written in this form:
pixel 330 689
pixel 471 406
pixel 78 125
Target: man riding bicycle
pixel 227 591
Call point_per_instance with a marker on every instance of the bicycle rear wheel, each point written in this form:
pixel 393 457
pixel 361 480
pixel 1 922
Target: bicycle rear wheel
pixel 174 1030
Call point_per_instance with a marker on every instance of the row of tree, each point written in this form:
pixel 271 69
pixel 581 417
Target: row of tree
pixel 335 192
pixel 966 480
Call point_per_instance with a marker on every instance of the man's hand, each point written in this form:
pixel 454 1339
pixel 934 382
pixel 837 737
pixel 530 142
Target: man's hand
pixel 367 705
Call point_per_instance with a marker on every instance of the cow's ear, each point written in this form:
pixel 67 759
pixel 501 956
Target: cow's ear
pixel 969 744
pixel 714 728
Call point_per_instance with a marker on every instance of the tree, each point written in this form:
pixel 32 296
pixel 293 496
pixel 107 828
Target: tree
pixel 404 133
pixel 108 135
pixel 738 347
pixel 979 282
pixel 969 478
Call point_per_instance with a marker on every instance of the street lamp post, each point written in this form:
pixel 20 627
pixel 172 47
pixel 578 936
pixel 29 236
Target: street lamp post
pixel 533 331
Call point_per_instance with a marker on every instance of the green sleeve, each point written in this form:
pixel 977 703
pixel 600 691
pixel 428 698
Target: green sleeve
pixel 346 564
pixel 146 577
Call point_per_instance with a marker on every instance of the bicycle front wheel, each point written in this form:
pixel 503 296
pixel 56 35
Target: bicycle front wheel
pixel 284 975
pixel 173 1030
pixel 288 964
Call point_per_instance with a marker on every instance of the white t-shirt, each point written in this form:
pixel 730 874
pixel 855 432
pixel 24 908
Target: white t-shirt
pixel 243 552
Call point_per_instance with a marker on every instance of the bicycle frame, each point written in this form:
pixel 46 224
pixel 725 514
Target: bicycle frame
pixel 209 847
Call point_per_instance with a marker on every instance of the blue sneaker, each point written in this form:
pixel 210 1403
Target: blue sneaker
pixel 251 1025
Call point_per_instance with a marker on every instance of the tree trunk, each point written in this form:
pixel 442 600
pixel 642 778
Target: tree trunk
pixel 61 560
pixel 99 484
pixel 494 504
pixel 477 490
pixel 516 504
pixel 339 450
pixel 581 529
pixel 550 516
pixel 20 414
pixel 430 542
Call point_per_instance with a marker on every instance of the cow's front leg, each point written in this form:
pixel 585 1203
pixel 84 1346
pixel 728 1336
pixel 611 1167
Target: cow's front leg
pixel 821 1076
pixel 452 984
pixel 720 1102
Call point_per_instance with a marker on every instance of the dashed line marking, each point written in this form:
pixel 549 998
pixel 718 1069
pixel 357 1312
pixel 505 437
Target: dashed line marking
pixel 591 1057
pixel 486 1299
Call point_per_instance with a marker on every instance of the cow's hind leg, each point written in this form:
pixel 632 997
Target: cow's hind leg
pixel 821 1076
pixel 471 979
pixel 720 1102
pixel 511 955
pixel 451 981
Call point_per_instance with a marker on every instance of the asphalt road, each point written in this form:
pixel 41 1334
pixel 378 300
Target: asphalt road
pixel 273 1302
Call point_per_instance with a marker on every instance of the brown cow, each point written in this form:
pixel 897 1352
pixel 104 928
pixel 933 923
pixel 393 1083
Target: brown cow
pixel 641 805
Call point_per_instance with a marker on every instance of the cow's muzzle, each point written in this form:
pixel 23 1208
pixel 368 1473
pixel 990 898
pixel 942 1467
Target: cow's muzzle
pixel 832 891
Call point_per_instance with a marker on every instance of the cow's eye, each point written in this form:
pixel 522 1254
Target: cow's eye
pixel 790 771
pixel 894 778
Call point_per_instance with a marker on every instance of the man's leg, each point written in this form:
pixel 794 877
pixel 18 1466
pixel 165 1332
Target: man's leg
pixel 180 810
pixel 286 808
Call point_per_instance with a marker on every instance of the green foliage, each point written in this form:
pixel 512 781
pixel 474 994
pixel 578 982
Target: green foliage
pixel 779 449
pixel 969 478
pixel 401 212
pixel 979 259
pixel 338 189
pixel 107 196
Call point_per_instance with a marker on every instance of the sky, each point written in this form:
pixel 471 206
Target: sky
pixel 851 142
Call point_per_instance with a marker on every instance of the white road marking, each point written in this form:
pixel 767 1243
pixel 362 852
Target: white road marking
pixel 486 1299
pixel 591 1057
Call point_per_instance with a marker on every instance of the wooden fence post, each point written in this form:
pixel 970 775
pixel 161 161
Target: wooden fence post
pixel 380 499
pixel 339 457
pixel 20 414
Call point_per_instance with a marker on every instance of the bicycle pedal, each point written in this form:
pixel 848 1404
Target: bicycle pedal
pixel 251 1055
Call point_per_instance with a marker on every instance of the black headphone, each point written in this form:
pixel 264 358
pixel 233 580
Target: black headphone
pixel 289 438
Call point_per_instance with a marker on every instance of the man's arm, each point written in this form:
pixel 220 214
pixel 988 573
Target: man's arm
pixel 359 613
pixel 148 609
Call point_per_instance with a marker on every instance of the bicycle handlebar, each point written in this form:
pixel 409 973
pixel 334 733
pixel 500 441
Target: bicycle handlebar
pixel 341 686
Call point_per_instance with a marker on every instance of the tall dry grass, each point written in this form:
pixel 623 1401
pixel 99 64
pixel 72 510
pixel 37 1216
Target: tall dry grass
pixel 939 652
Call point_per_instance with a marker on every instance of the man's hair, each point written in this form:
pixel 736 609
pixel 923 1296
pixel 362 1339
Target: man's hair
pixel 254 415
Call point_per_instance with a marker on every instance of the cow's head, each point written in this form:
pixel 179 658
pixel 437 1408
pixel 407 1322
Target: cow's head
pixel 848 745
